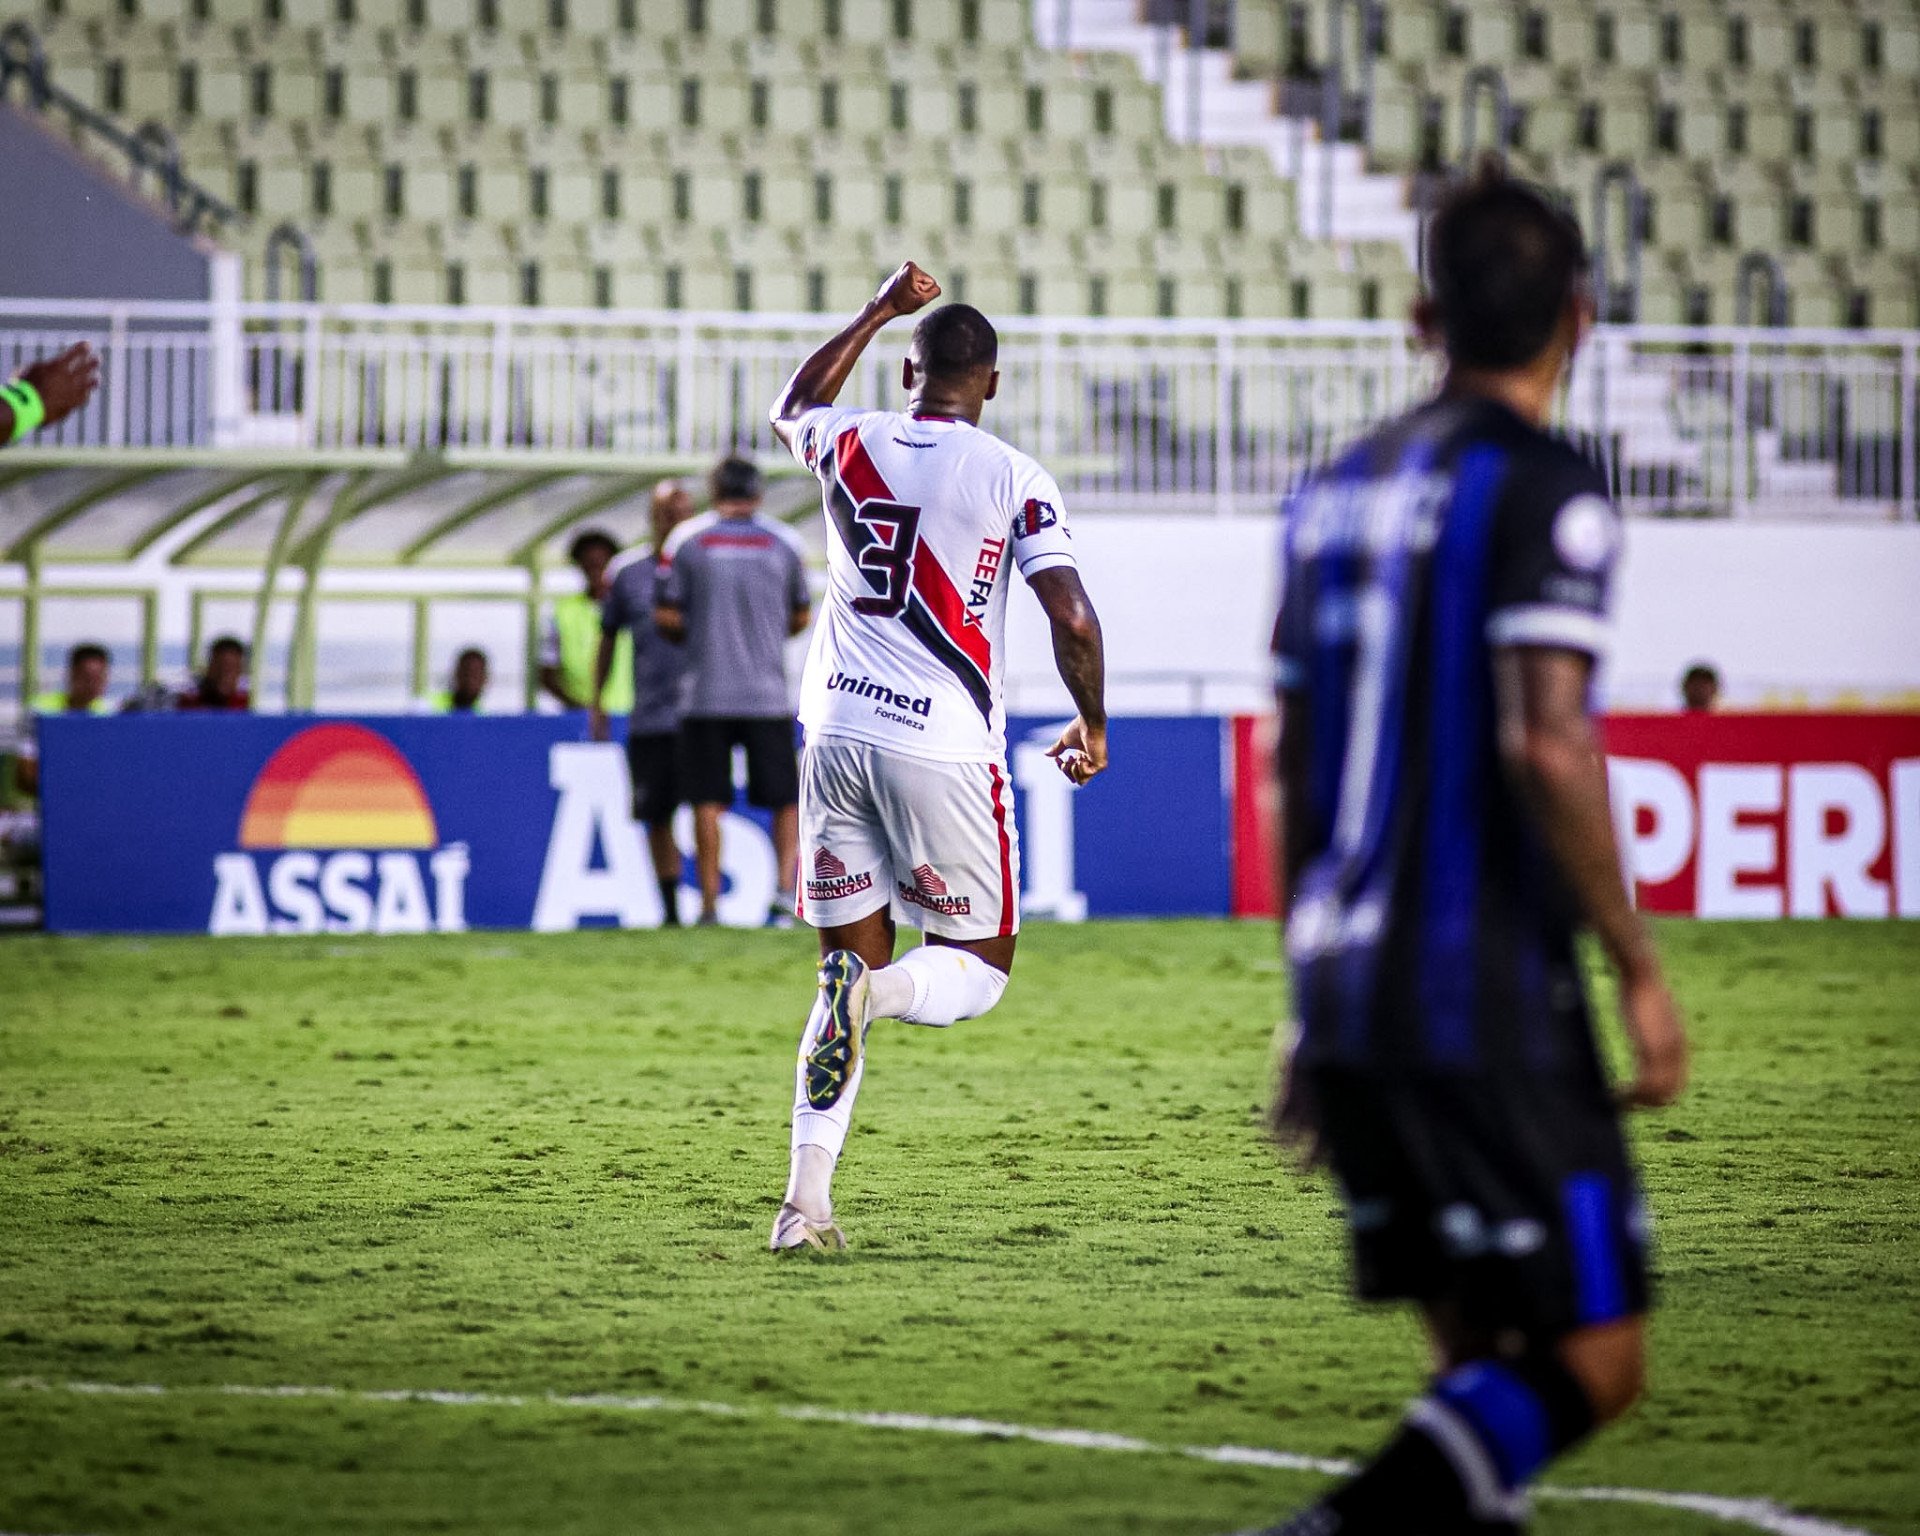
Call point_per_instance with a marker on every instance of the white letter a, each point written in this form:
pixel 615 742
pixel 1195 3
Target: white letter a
pixel 594 800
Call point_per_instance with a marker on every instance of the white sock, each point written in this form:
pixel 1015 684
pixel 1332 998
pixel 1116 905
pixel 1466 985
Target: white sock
pixel 936 984
pixel 818 1134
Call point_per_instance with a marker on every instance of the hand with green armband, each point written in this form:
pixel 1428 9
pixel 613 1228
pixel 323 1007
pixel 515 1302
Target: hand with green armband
pixel 47 392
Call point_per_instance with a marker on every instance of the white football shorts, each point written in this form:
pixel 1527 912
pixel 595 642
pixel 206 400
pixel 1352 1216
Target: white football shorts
pixel 934 840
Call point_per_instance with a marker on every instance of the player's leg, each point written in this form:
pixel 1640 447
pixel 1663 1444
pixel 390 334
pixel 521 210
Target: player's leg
pixel 652 770
pixel 846 900
pixel 1491 1421
pixel 706 777
pixel 944 980
pixel 665 853
pixel 773 784
pixel 1533 1292
pixel 956 868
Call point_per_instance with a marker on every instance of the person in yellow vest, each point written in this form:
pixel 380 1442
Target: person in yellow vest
pixel 84 694
pixel 570 643
pixel 466 690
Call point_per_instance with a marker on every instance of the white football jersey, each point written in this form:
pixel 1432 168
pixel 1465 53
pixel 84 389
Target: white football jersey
pixel 925 518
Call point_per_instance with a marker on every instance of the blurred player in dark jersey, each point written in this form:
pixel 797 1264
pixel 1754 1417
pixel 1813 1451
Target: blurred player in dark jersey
pixel 1446 831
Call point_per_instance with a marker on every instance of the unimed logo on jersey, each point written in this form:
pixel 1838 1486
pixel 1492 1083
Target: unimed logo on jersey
pixel 888 702
pixel 930 891
pixel 831 881
pixel 337 836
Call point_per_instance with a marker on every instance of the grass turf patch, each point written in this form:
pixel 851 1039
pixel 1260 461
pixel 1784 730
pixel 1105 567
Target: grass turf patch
pixel 533 1165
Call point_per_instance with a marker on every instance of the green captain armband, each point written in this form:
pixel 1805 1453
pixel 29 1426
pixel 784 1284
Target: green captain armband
pixel 29 410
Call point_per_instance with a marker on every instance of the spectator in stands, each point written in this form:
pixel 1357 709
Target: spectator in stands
pixel 733 590
pixel 1700 689
pixel 46 392
pixel 659 673
pixel 570 644
pixel 224 684
pixel 466 688
pixel 85 693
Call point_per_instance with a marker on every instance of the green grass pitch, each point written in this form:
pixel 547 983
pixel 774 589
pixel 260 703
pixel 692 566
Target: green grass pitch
pixel 530 1166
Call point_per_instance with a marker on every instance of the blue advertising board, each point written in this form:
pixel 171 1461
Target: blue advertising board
pixel 289 824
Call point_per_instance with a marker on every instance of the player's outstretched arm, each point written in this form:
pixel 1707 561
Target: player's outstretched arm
pixel 1548 744
pixel 1080 654
pixel 55 387
pixel 819 380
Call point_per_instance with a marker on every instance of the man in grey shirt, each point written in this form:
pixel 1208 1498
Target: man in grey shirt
pixel 734 589
pixel 659 669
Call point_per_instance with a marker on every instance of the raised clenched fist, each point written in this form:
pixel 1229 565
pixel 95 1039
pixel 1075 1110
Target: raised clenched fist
pixel 909 289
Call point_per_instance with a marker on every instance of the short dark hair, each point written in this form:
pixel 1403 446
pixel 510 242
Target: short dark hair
pixel 1503 262
pixel 87 650
pixel 473 651
pixel 591 538
pixel 227 643
pixel 736 479
pixel 1700 672
pixel 954 340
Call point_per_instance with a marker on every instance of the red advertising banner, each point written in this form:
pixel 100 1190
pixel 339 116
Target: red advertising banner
pixel 1769 815
pixel 1254 881
pixel 1754 816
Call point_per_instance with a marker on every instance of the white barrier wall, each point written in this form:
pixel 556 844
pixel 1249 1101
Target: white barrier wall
pixel 1800 614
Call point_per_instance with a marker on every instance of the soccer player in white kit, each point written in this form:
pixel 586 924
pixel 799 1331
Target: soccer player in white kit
pixel 905 806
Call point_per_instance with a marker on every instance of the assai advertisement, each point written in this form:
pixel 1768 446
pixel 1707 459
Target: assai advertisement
pixel 288 825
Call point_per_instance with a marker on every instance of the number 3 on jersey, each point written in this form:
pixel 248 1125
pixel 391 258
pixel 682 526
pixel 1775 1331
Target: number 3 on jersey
pixel 887 559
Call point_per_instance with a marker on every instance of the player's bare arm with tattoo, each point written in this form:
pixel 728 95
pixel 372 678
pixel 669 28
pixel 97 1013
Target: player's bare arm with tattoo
pixel 1548 744
pixel 1080 654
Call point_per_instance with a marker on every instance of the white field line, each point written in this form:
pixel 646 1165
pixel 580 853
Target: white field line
pixel 1755 1514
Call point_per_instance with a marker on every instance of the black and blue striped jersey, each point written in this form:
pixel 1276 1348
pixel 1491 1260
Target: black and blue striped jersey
pixel 1430 931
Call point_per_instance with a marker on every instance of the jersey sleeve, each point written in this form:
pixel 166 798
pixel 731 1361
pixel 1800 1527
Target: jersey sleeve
pixel 816 431
pixel 1557 538
pixel 1041 538
pixel 672 578
pixel 616 612
pixel 674 587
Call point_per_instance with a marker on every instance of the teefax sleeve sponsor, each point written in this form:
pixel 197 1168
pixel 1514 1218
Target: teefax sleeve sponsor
pixel 1558 538
pixel 1041 538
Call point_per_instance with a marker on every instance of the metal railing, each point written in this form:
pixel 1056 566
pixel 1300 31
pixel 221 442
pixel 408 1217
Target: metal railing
pixel 1202 415
pixel 150 149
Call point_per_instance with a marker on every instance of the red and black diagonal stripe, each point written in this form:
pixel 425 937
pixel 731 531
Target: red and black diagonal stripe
pixel 936 615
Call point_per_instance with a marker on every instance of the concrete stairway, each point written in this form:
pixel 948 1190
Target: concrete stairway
pixel 1339 199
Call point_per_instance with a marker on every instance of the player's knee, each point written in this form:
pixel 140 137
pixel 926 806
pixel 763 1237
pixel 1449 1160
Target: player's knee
pixel 950 985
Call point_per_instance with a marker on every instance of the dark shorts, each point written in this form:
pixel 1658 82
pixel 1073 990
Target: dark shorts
pixel 1514 1202
pixel 653 765
pixel 706 761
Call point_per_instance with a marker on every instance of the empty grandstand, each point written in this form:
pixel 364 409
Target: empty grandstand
pixel 461 275
pixel 1084 157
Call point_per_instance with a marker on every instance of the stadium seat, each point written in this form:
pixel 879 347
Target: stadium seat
pixel 1753 125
